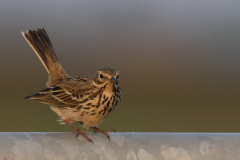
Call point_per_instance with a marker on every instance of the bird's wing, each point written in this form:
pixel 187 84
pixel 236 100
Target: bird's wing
pixel 70 93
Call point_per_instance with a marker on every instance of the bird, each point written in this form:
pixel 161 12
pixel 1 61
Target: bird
pixel 75 99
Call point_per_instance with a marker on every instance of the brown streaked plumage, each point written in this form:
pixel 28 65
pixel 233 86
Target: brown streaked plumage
pixel 87 100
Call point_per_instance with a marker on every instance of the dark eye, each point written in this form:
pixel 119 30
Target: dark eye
pixel 117 77
pixel 101 76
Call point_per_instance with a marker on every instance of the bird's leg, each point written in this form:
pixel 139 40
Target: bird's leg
pixel 84 131
pixel 78 131
pixel 96 130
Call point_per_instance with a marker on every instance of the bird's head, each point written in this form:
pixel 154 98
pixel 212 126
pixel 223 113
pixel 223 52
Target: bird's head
pixel 107 76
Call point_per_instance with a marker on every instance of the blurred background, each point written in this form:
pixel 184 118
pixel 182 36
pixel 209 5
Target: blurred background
pixel 179 62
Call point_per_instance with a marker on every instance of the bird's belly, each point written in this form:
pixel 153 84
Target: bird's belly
pixel 88 116
pixel 90 113
pixel 67 114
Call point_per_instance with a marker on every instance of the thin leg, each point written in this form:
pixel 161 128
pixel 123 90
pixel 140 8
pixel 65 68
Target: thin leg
pixel 96 130
pixel 84 131
pixel 78 131
pixel 81 131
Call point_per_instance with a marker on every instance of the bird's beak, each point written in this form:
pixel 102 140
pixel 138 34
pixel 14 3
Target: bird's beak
pixel 114 80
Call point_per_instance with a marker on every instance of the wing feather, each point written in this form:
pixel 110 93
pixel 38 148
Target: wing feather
pixel 70 93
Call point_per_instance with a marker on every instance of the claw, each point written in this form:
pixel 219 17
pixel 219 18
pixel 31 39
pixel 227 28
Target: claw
pixel 91 141
pixel 97 130
pixel 76 136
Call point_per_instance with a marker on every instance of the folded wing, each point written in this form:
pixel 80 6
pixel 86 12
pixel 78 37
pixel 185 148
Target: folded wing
pixel 70 93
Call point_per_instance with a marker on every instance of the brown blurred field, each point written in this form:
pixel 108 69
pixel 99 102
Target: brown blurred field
pixel 179 62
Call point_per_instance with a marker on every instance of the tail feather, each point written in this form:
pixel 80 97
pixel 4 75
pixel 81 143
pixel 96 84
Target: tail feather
pixel 41 44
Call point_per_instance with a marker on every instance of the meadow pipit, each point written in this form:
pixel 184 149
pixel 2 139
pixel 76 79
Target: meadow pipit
pixel 86 100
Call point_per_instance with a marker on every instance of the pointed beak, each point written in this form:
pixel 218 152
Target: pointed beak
pixel 114 79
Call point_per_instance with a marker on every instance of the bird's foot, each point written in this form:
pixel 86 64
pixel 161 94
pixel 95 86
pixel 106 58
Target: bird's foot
pixel 78 131
pixel 97 130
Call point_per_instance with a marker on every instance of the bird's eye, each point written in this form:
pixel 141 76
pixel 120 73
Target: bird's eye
pixel 101 76
pixel 117 77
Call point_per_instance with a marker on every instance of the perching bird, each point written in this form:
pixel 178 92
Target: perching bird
pixel 87 100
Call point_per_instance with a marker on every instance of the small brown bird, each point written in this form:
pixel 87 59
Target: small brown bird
pixel 87 100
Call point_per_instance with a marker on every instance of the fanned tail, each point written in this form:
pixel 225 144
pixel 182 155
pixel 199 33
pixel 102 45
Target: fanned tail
pixel 41 44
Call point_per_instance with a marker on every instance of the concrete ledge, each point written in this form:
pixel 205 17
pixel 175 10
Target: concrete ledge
pixel 129 146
